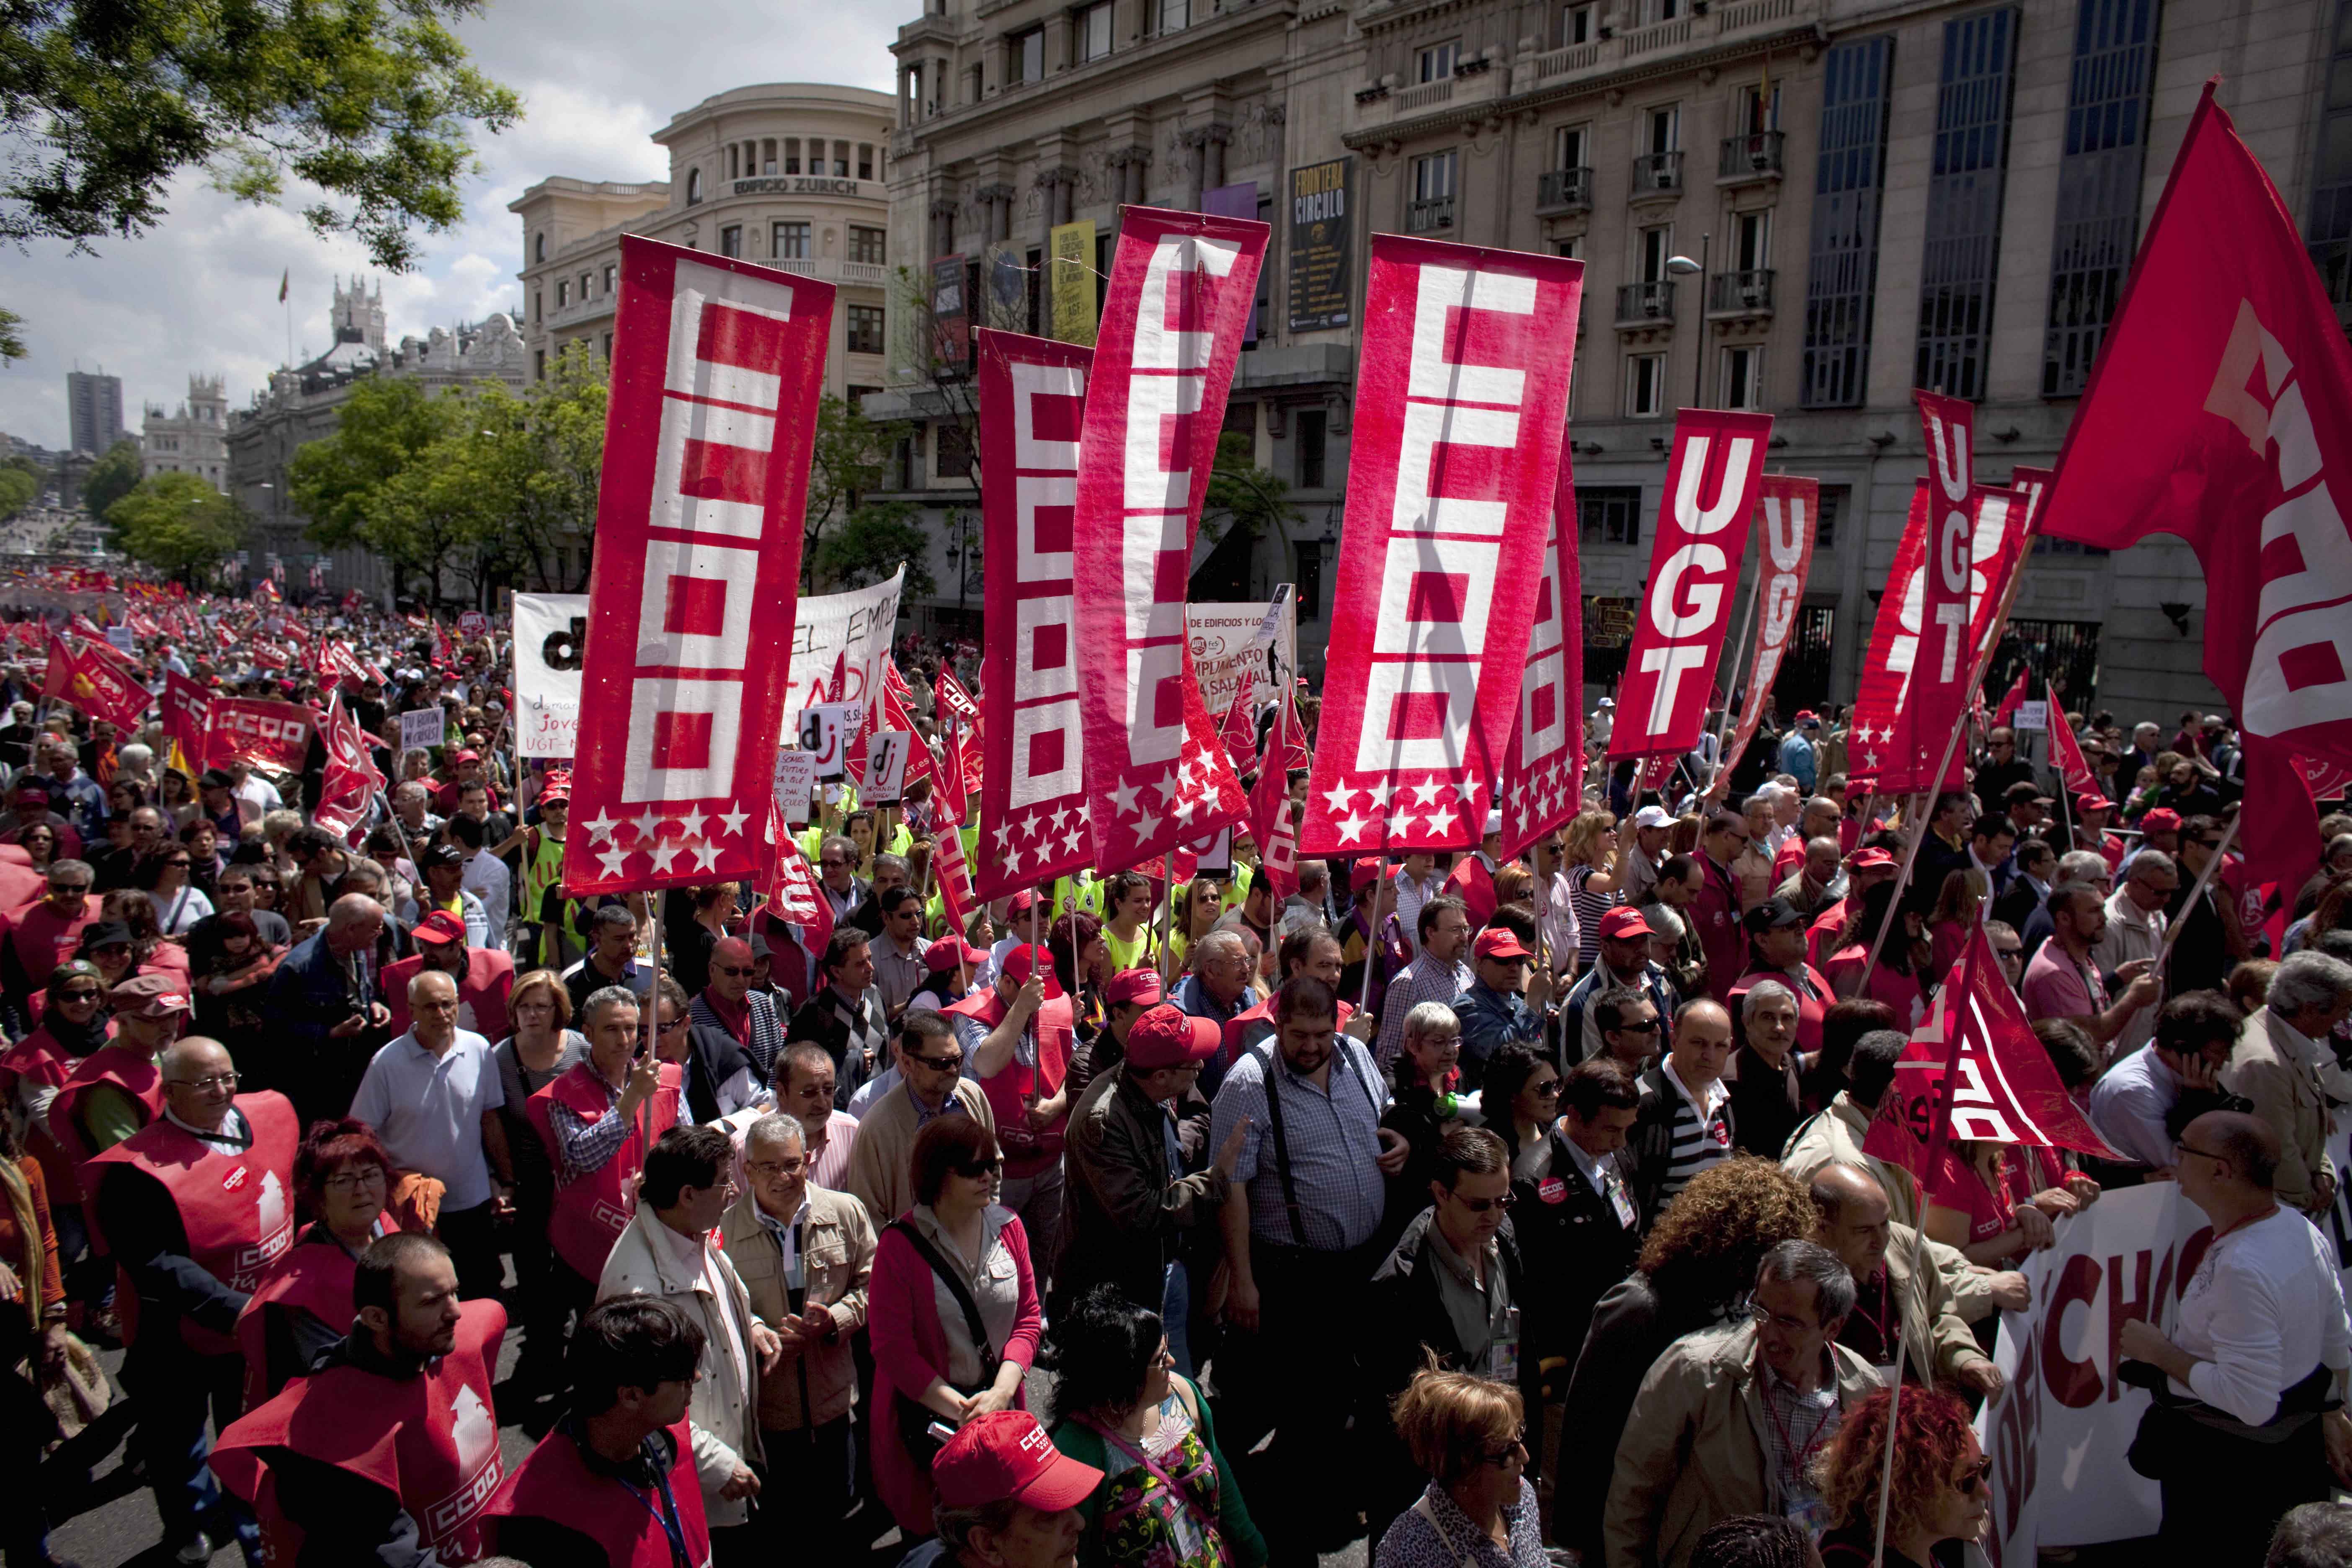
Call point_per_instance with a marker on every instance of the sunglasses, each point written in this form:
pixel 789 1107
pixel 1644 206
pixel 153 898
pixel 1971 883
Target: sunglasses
pixel 1485 1205
pixel 1976 1476
pixel 1647 1027
pixel 938 1064
pixel 79 995
pixel 978 1168
pixel 737 971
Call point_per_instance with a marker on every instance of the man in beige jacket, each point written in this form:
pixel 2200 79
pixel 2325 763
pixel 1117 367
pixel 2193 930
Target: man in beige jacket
pixel 1728 1421
pixel 805 1255
pixel 881 1168
pixel 666 1251
pixel 2281 1058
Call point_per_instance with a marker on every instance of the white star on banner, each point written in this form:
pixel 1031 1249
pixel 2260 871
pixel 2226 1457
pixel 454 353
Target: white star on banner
pixel 1338 796
pixel 664 854
pixel 1071 840
pixel 1185 807
pixel 734 820
pixel 1003 831
pixel 1428 791
pixel 1380 791
pixel 1122 799
pixel 646 825
pixel 1441 820
pixel 689 822
pixel 1353 827
pixel 611 861
pixel 706 853
pixel 600 827
pixel 1168 788
pixel 1144 823
pixel 1466 787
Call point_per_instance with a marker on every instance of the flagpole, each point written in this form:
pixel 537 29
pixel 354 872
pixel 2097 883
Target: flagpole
pixel 2204 880
pixel 1730 687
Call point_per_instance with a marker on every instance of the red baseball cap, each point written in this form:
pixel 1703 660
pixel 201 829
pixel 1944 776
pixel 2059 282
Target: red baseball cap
pixel 1134 985
pixel 1501 941
pixel 440 926
pixel 1020 903
pixel 1870 860
pixel 1025 961
pixel 2095 803
pixel 949 950
pixel 1623 923
pixel 1168 1036
pixel 2163 819
pixel 1006 1455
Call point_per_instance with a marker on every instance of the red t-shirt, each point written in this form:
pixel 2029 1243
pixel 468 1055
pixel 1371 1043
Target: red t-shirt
pixel 1957 1187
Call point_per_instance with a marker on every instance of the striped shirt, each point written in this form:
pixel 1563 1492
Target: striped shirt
pixel 1701 1133
pixel 1590 907
pixel 1410 895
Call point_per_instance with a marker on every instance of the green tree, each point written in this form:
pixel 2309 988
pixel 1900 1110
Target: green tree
pixel 112 478
pixel 383 427
pixel 20 487
pixel 177 524
pixel 869 546
pixel 12 335
pixel 371 102
pixel 539 457
pixel 850 455
pixel 1242 495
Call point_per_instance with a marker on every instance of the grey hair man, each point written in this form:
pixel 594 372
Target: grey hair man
pixel 2277 1062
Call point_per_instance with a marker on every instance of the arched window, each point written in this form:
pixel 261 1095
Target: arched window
pixel 693 186
pixel 539 248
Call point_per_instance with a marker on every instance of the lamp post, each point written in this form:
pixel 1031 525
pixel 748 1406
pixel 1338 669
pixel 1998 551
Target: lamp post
pixel 1683 266
pixel 959 556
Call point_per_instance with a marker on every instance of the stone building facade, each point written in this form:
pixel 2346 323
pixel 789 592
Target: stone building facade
pixel 1878 197
pixel 302 404
pixel 193 441
pixel 792 176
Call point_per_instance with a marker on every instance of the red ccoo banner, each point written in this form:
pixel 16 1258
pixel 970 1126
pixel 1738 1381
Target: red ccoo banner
pixel 271 735
pixel 1543 772
pixel 1032 789
pixel 717 366
pixel 1172 331
pixel 1791 510
pixel 1452 475
pixel 1703 521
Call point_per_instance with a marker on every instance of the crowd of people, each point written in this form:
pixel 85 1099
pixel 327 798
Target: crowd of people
pixel 1488 1209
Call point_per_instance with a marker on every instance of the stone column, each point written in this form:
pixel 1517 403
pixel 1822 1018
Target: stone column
pixel 1196 145
pixel 1213 138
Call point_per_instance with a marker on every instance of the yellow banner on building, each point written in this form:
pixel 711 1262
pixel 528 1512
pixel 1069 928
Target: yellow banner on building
pixel 1071 281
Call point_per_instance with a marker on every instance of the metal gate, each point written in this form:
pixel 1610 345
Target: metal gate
pixel 2063 653
pixel 1803 680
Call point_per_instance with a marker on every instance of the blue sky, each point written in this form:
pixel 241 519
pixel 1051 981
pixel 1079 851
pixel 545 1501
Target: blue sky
pixel 199 294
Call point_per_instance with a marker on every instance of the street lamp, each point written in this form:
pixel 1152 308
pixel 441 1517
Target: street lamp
pixel 1683 266
pixel 959 555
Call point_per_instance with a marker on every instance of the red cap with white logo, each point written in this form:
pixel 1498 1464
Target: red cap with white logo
pixel 1005 1454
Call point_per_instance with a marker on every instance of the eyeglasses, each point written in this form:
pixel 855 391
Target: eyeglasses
pixel 1639 1027
pixel 2185 1149
pixel 979 1168
pixel 1975 1476
pixel 218 1080
pixel 768 1170
pixel 936 1064
pixel 1549 1087
pixel 737 971
pixel 1763 1314
pixel 79 995
pixel 353 1181
pixel 1484 1206
pixel 829 865
pixel 1516 1449
pixel 69 890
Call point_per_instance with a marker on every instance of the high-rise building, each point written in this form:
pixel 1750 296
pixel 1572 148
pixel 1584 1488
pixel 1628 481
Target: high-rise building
pixel 94 405
pixel 1803 206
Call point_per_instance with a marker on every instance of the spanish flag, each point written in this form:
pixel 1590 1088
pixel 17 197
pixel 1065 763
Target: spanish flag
pixel 283 279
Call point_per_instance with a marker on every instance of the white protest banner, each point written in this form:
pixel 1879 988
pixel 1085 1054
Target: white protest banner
pixel 2057 1436
pixel 2032 714
pixel 473 623
pixel 550 633
pixel 886 767
pixel 423 728
pixel 795 778
pixel 118 637
pixel 848 633
pixel 1229 638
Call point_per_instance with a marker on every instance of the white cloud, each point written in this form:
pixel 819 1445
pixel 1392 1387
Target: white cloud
pixel 597 77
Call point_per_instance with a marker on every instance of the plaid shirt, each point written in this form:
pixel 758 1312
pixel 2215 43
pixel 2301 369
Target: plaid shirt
pixel 1422 980
pixel 1333 1138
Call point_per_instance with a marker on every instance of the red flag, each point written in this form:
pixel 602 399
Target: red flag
pixel 718 365
pixel 1238 729
pixel 2066 753
pixel 2005 530
pixel 271 735
pixel 1543 767
pixel 2227 399
pixel 954 701
pixel 349 781
pixel 1976 1054
pixel 1694 570
pixel 1453 474
pixel 2015 700
pixel 187 718
pixel 793 896
pixel 1935 692
pixel 1278 841
pixel 1033 787
pixel 953 876
pixel 1170 336
pixel 1792 510
pixel 95 684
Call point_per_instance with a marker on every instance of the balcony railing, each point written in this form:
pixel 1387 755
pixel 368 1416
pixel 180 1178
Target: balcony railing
pixel 1645 304
pixel 1427 217
pixel 1428 95
pixel 1756 156
pixel 1743 293
pixel 1658 174
pixel 1564 190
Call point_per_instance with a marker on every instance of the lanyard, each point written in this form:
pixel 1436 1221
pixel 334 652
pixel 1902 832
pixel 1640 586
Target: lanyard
pixel 665 1516
pixel 1801 1455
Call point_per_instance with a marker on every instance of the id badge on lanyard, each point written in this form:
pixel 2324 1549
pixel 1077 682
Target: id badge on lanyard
pixel 1503 1351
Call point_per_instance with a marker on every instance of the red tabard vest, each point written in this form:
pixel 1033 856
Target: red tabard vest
pixel 238 1210
pixel 433 1439
pixel 315 1279
pixel 591 1213
pixel 38 1058
pixel 555 1484
pixel 1253 1026
pixel 1010 1090
pixel 137 1077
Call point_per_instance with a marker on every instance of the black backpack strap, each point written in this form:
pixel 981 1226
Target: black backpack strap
pixel 1271 1061
pixel 954 1282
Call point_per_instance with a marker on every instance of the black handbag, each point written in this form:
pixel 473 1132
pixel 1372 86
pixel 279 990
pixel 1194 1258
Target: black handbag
pixel 914 1418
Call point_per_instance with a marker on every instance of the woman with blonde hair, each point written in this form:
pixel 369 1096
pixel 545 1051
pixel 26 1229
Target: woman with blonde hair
pixel 1594 884
pixel 1199 907
pixel 1469 1436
